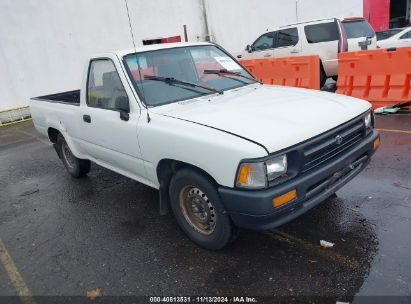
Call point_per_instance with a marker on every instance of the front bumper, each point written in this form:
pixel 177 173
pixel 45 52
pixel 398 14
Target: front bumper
pixel 254 210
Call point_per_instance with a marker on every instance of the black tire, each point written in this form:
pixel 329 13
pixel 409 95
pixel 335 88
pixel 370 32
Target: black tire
pixel 75 166
pixel 323 78
pixel 223 232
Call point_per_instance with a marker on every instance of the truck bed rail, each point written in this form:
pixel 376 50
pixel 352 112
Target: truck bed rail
pixel 69 97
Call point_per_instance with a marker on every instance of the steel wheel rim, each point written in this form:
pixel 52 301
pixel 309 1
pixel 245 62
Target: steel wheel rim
pixel 198 210
pixel 68 156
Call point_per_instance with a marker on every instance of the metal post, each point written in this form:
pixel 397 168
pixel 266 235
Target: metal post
pixel 185 33
pixel 205 16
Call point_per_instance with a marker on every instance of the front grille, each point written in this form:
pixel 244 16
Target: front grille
pixel 331 180
pixel 327 147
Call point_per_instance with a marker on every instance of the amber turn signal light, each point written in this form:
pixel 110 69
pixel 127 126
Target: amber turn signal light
pixel 244 174
pixel 377 143
pixel 285 198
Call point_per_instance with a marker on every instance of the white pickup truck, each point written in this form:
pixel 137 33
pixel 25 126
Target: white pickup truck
pixel 225 151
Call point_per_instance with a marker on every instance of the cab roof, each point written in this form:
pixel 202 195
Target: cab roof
pixel 161 46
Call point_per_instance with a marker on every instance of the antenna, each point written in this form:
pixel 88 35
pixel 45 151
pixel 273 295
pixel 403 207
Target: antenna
pixel 131 28
pixel 135 51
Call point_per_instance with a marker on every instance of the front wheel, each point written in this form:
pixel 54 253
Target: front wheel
pixel 75 166
pixel 198 210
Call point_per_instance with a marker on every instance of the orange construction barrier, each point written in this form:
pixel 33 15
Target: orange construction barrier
pixel 300 71
pixel 383 77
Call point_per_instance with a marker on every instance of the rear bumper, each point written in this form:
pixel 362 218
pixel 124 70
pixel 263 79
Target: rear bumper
pixel 254 210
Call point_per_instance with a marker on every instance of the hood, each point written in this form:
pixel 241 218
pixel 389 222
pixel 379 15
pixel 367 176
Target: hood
pixel 274 116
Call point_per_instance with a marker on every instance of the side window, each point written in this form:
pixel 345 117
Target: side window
pixel 322 32
pixel 104 86
pixel 264 42
pixel 382 35
pixel 287 37
pixel 406 35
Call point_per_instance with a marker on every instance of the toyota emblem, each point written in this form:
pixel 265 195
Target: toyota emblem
pixel 338 139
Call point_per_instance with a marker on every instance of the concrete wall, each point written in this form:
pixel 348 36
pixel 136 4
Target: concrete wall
pixel 44 43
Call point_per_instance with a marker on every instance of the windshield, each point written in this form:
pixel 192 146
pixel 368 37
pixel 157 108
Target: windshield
pixel 186 64
pixel 358 29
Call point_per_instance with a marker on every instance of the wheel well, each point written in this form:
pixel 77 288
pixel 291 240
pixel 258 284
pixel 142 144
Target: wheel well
pixel 168 167
pixel 53 133
pixel 165 170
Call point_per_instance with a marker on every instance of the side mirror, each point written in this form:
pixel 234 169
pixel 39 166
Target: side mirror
pixel 123 106
pixel 249 48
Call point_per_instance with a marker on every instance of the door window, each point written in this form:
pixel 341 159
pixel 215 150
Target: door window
pixel 104 86
pixel 322 32
pixel 264 42
pixel 406 35
pixel 287 37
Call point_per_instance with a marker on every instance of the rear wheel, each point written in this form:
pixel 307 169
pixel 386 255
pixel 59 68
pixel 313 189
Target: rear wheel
pixel 199 211
pixel 75 166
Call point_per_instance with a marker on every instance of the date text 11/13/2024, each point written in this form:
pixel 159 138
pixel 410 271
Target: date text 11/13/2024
pixel 203 299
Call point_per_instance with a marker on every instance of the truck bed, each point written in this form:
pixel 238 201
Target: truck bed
pixel 69 97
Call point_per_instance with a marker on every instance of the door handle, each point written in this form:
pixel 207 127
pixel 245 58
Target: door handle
pixel 87 118
pixel 267 55
pixel 294 52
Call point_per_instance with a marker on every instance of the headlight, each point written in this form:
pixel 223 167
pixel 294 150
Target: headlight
pixel 276 167
pixel 255 175
pixel 368 121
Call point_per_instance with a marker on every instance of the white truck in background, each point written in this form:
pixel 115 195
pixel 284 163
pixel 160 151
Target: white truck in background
pixel 325 38
pixel 225 151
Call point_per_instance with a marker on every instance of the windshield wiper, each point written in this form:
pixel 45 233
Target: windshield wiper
pixel 171 80
pixel 223 72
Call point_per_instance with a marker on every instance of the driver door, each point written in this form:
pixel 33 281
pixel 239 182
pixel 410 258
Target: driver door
pixel 263 47
pixel 110 133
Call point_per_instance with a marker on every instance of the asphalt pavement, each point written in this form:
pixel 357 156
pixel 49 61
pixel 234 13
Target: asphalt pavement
pixel 103 233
